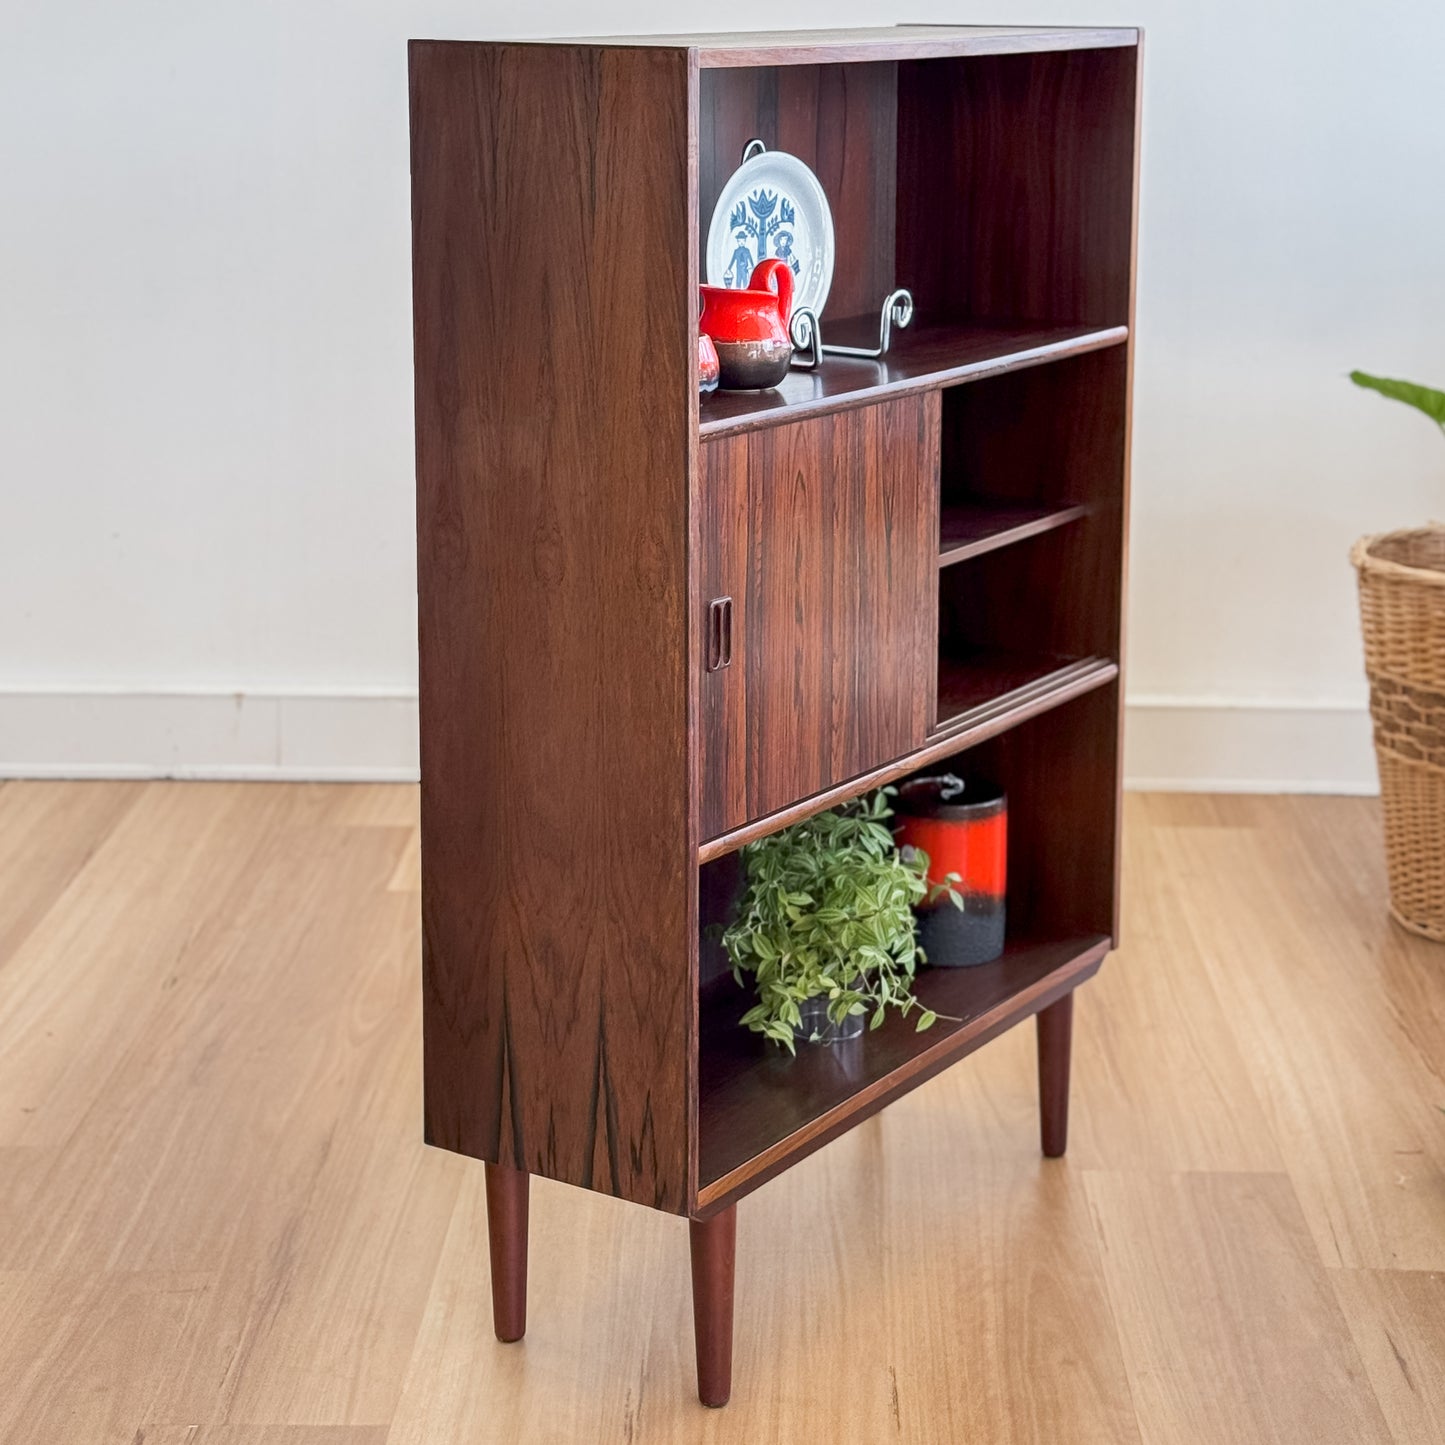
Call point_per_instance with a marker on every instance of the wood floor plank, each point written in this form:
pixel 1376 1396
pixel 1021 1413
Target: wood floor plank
pixel 1340 1019
pixel 48 831
pixel 1160 1080
pixel 1229 1326
pixel 218 1224
pixel 1397 1318
pixel 379 805
pixel 259 1435
pixel 87 1354
pixel 219 1111
pixel 89 976
pixel 293 1163
pixel 1001 1245
pixel 407 878
pixel 1337 852
pixel 335 1348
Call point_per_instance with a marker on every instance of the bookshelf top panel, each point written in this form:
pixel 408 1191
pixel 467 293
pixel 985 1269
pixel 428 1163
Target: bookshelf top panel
pixel 722 49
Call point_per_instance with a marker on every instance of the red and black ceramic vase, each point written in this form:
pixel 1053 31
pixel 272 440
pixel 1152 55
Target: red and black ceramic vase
pixel 963 827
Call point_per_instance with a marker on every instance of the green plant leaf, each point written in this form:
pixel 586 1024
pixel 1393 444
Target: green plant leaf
pixel 1422 398
pixel 827 911
pixel 926 1022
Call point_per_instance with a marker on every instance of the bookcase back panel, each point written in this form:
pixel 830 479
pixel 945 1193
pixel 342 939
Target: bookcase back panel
pixel 1044 436
pixel 1060 772
pixel 1016 185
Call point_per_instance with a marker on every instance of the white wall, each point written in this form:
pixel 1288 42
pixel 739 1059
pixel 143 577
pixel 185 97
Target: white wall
pixel 206 557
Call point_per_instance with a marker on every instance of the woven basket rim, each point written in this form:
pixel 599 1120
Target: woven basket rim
pixel 1363 560
pixel 1426 929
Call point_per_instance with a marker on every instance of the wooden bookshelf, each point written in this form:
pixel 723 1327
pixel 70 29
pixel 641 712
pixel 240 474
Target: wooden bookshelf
pixel 921 557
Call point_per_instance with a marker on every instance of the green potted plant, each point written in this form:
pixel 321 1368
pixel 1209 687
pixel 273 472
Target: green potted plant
pixel 825 925
pixel 1402 610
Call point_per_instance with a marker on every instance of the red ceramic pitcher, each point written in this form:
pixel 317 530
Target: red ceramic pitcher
pixel 749 327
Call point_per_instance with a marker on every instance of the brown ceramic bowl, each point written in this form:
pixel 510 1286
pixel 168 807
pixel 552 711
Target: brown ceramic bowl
pixel 752 365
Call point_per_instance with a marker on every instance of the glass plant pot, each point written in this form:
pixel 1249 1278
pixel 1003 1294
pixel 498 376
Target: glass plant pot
pixel 815 1020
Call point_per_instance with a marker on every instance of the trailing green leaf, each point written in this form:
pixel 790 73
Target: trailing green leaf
pixel 827 911
pixel 1422 398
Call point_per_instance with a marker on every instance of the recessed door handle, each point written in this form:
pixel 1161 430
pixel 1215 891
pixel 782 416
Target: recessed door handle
pixel 719 633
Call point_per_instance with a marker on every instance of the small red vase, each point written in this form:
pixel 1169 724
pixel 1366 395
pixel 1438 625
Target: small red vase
pixel 707 365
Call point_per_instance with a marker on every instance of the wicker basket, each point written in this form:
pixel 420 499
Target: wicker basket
pixel 1402 609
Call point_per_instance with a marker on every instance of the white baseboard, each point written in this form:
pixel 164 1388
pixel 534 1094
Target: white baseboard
pixel 1190 744
pixel 1221 745
pixel 336 737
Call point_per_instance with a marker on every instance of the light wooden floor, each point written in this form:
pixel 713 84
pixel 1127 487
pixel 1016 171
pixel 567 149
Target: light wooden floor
pixel 218 1224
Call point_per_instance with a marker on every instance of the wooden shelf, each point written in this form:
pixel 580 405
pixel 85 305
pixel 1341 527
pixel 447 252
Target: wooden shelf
pixel 761 1110
pixel 970 530
pixel 974 689
pixel 922 358
pixel 1031 687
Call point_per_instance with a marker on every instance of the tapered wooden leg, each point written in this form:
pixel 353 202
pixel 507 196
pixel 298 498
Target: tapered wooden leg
pixel 507 1235
pixel 714 1244
pixel 1056 1032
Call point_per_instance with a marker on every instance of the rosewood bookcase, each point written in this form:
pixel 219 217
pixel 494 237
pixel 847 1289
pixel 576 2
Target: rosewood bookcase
pixel 923 557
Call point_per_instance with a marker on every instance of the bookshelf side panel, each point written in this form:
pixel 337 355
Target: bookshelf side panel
pixel 553 327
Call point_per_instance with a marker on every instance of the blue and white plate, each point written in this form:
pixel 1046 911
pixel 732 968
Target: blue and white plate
pixel 773 206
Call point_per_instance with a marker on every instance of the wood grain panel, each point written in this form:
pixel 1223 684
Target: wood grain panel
pixel 1043 434
pixel 1062 764
pixel 554 405
pixel 824 535
pixel 1016 185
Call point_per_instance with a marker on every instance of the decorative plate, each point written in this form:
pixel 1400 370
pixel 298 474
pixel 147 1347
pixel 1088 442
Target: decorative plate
pixel 773 205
